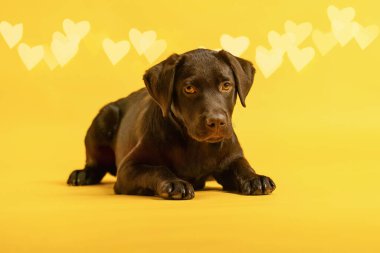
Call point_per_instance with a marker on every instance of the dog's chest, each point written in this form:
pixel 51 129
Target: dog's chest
pixel 196 162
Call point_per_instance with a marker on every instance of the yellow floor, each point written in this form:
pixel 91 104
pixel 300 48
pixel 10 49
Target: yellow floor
pixel 319 206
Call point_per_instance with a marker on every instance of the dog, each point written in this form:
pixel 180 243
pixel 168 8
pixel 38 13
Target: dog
pixel 168 138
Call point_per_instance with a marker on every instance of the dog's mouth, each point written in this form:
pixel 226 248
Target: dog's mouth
pixel 214 139
pixel 211 138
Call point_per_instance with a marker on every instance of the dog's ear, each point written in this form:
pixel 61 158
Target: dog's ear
pixel 244 73
pixel 159 80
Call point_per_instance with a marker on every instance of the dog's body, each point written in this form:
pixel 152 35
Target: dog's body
pixel 168 138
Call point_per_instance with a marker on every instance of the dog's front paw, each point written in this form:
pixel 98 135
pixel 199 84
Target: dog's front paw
pixel 258 185
pixel 175 189
pixel 78 177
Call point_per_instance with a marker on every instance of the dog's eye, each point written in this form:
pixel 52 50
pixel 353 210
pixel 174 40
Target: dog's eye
pixel 226 87
pixel 189 89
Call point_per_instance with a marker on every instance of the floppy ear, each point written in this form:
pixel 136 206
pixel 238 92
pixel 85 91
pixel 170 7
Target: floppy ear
pixel 244 73
pixel 159 81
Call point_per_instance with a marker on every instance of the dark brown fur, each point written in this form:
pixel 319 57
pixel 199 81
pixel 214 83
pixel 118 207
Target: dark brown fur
pixel 162 140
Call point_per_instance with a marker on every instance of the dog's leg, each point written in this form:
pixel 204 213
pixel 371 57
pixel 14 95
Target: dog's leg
pixel 96 167
pixel 151 180
pixel 198 184
pixel 240 177
pixel 87 176
pixel 100 157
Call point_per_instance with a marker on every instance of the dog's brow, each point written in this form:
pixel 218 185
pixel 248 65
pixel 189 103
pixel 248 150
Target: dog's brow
pixel 224 78
pixel 189 79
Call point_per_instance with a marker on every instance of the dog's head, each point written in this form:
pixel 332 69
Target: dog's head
pixel 200 89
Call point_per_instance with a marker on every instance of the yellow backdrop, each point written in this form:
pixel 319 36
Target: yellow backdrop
pixel 311 123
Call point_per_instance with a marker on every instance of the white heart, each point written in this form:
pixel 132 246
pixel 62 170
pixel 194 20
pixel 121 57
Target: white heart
pixel 142 41
pixel 12 34
pixel 365 35
pixel 268 61
pixel 324 41
pixel 155 50
pixel 63 48
pixel 115 50
pixel 346 15
pixel 341 23
pixel 300 31
pixel 74 30
pixel 30 56
pixel 300 57
pixel 282 42
pixel 235 46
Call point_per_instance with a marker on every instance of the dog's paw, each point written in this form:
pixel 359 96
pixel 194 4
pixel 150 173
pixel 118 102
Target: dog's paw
pixel 258 185
pixel 81 177
pixel 77 177
pixel 175 189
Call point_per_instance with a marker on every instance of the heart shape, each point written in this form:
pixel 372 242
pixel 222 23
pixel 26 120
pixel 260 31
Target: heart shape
pixel 235 46
pixel 283 42
pixel 64 48
pixel 12 34
pixel 344 15
pixel 300 57
pixel 341 23
pixel 142 41
pixel 268 61
pixel 74 30
pixel 300 32
pixel 324 41
pixel 30 56
pixel 342 31
pixel 365 35
pixel 115 50
pixel 155 50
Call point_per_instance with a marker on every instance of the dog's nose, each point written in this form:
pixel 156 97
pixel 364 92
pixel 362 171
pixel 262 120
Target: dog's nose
pixel 216 122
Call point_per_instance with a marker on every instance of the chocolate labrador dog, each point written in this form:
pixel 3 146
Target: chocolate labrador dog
pixel 167 139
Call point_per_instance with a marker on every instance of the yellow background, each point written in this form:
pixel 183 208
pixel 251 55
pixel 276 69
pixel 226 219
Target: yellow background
pixel 316 133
